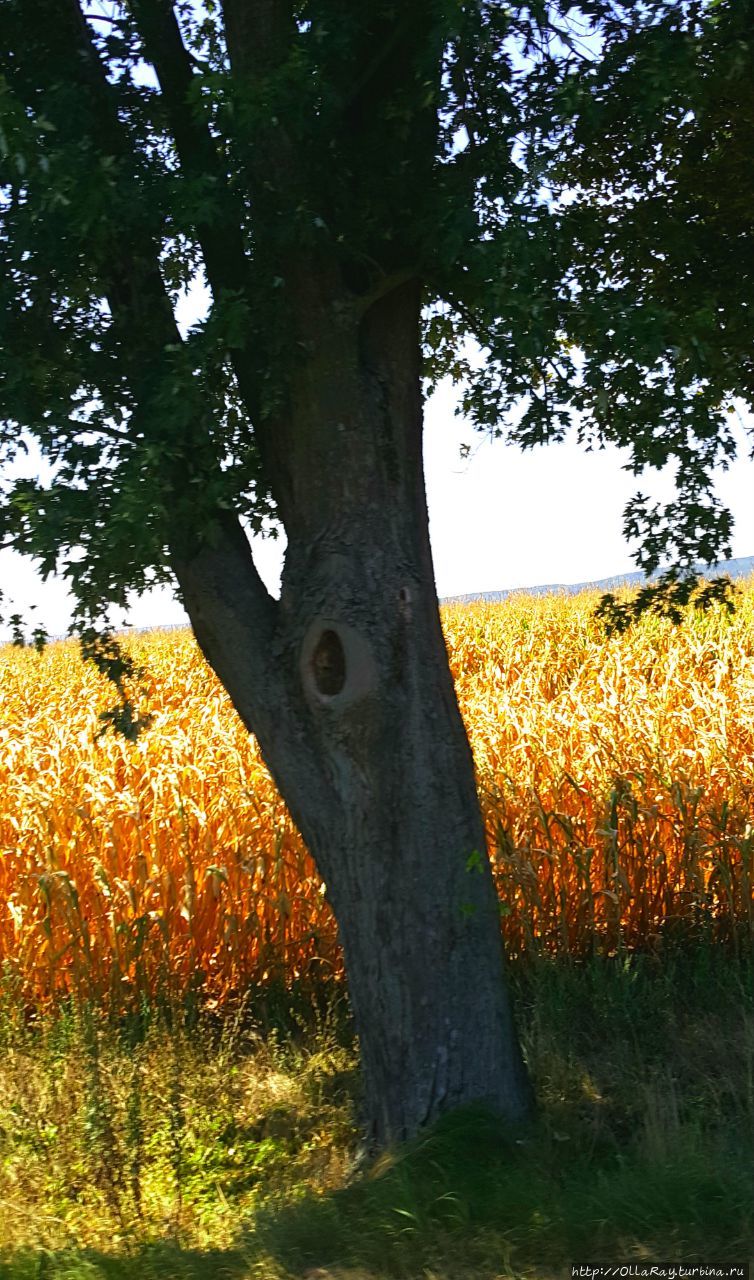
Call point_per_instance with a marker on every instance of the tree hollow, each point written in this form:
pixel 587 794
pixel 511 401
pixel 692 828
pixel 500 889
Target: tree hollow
pixel 329 664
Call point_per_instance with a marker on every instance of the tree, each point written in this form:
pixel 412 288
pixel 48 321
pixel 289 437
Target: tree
pixel 661 242
pixel 363 188
pixel 660 246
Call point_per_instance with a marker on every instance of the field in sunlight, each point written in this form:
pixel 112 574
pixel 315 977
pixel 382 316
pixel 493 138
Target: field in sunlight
pixel 617 779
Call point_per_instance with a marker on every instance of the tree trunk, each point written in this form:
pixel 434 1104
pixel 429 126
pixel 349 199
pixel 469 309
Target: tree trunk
pixel 405 863
pixel 345 682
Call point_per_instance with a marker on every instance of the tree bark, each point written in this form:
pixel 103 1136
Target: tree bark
pixel 345 682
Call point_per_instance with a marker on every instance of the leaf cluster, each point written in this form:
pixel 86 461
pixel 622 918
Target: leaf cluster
pixel 617 301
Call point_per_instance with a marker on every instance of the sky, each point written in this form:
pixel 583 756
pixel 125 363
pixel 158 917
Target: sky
pixel 500 518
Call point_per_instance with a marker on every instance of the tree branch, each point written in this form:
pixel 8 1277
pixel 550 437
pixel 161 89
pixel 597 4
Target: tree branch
pixel 200 152
pixel 389 45
pixel 259 34
pixel 129 275
pixel 220 238
pixel 236 624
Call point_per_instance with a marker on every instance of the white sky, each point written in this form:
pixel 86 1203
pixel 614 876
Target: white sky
pixel 499 519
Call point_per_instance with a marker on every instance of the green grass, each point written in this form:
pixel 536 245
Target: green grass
pixel 211 1147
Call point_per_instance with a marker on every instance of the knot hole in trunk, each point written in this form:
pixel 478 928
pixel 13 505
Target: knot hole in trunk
pixel 337 664
pixel 329 663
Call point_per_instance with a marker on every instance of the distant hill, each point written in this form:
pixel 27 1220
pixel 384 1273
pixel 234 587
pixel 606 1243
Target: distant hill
pixel 740 568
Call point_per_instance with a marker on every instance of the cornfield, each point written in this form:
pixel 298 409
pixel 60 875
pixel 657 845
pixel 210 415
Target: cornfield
pixel 616 776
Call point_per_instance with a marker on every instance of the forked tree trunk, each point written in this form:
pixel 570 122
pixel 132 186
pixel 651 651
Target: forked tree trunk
pixel 345 682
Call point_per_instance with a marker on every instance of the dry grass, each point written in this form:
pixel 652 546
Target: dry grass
pixel 150 866
pixel 616 777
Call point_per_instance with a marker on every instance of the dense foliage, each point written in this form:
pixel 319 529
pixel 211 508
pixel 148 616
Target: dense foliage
pixel 570 185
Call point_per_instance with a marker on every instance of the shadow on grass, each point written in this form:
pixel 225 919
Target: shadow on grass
pixel 642 1153
pixel 474 1199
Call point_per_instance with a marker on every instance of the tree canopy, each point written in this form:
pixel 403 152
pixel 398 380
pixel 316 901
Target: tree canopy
pixel 570 185
pixel 663 264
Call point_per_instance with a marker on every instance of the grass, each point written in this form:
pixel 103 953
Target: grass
pixel 213 1147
